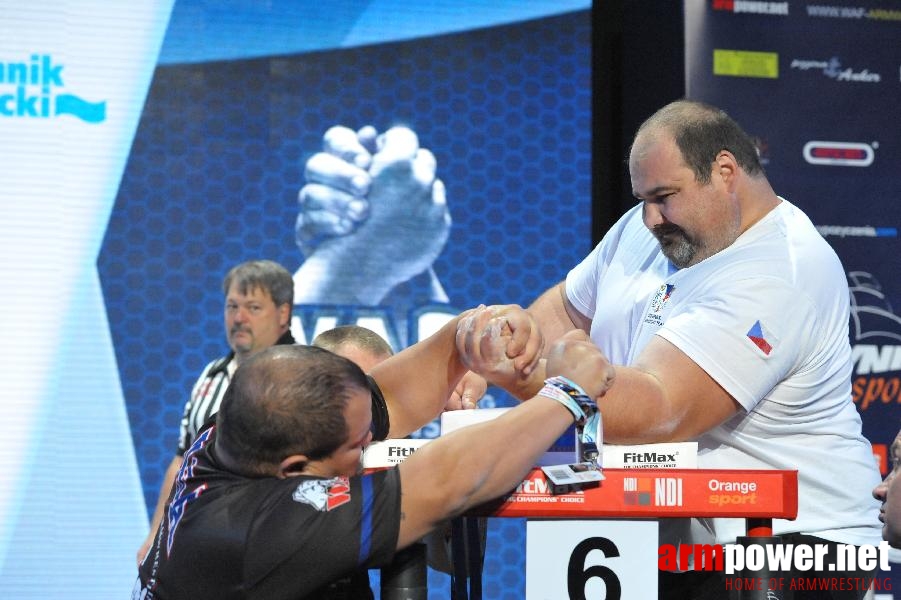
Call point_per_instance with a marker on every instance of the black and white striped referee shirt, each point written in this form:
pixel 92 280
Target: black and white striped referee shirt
pixel 206 396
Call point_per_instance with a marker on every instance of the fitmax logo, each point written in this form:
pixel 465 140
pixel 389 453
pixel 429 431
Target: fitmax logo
pixel 29 90
pixel 648 457
pixel 400 451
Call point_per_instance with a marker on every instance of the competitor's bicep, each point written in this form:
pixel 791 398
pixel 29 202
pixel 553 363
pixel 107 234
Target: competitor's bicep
pixel 695 401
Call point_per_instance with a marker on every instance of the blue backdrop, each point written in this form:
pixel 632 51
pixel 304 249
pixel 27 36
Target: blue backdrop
pixel 217 161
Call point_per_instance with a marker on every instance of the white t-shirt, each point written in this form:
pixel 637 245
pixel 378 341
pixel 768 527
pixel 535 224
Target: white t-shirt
pixel 767 318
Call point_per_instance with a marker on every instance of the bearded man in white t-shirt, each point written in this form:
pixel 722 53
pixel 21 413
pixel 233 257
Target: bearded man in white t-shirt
pixel 727 316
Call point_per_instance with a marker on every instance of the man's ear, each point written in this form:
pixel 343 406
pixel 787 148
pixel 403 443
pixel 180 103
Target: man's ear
pixel 292 466
pixel 284 315
pixel 725 167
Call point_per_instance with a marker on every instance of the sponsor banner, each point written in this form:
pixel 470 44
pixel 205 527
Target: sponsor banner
pixel 392 452
pixel 849 154
pixel 34 87
pixel 740 63
pixel 817 85
pixel 676 455
pixel 751 7
pixel 842 11
pixel 671 493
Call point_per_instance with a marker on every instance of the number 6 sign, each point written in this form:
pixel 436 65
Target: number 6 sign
pixel 591 560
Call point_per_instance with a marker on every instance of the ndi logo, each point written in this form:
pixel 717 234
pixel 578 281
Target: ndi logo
pixel 30 89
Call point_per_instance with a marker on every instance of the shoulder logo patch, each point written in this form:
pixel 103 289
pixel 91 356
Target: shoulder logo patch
pixel 323 494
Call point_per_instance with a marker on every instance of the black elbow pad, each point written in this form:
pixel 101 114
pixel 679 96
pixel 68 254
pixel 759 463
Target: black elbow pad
pixel 380 423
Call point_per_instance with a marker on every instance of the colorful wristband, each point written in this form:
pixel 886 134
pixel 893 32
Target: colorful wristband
pixel 555 393
pixel 574 391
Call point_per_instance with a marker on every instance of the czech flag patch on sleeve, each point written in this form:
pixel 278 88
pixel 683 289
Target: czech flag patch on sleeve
pixel 761 338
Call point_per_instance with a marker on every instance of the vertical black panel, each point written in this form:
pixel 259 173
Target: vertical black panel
pixel 638 66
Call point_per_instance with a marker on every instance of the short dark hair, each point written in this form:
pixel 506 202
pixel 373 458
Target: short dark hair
pixel 361 337
pixel 266 275
pixel 701 131
pixel 287 400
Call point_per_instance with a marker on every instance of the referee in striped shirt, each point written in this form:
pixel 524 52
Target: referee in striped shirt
pixel 259 295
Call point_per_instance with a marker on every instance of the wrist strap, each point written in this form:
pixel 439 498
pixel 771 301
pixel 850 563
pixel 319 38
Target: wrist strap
pixel 569 394
pixel 585 412
pixel 574 391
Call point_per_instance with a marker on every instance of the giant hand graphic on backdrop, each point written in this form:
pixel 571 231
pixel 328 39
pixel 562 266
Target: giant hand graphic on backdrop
pixel 372 216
